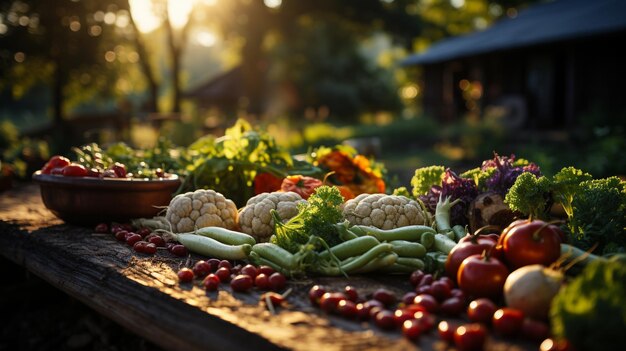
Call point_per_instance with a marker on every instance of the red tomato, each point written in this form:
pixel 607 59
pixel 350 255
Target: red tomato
pixel 470 337
pixel 482 276
pixel 266 183
pixel 75 170
pixel 481 310
pixel 55 162
pixel 507 321
pixel 480 238
pixel 462 251
pixel 530 242
pixel 535 330
pixel 303 186
pixel 119 169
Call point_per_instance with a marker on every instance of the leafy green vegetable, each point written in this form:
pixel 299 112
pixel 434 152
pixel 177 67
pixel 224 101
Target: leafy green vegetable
pixel 565 184
pixel 316 217
pixel 229 164
pixel 402 191
pixel 599 215
pixel 529 195
pixel 591 311
pixel 425 178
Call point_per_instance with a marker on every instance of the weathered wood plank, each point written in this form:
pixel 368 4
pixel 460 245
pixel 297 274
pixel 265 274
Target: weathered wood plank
pixel 142 293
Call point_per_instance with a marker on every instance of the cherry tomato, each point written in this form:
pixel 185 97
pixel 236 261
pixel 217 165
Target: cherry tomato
pixel 452 306
pixel 470 337
pixel 74 170
pixel 185 275
pixel 411 329
pixel 446 330
pixel 315 293
pixel 428 302
pixel 440 290
pixel 261 281
pixel 535 330
pixel 385 296
pixel 241 283
pixel 301 185
pixel 507 321
pixel 416 277
pixel 119 169
pixel 94 173
pixel 481 311
pixel 347 309
pixel 384 320
pixel 462 251
pixel 55 162
pixel 530 242
pixel 482 276
pixel 555 345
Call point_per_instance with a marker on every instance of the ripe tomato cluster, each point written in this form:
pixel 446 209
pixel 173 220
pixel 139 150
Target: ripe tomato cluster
pixel 432 303
pixel 480 264
pixel 213 272
pixel 60 165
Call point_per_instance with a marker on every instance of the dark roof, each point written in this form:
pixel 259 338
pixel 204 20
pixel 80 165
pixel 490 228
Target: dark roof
pixel 226 86
pixel 540 24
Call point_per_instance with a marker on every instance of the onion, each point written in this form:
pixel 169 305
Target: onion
pixel 531 289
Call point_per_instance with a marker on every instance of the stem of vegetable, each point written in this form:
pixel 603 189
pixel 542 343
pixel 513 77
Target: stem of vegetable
pixel 442 214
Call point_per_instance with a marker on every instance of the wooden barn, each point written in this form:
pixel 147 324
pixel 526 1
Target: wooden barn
pixel 545 69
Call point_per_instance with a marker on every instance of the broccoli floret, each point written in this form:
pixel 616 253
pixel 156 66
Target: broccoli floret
pixel 529 195
pixel 599 215
pixel 480 176
pixel 565 184
pixel 591 310
pixel 425 178
pixel 402 191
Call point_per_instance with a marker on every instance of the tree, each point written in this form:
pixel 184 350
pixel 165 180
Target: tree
pixel 66 36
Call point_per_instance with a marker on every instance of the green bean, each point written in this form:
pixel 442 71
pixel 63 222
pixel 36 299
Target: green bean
pixel 226 236
pixel 408 248
pixel 210 247
pixel 428 240
pixel 368 256
pixel 414 263
pixel 443 243
pixel 459 232
pixel 275 254
pixel 410 232
pixel 378 264
pixel 351 248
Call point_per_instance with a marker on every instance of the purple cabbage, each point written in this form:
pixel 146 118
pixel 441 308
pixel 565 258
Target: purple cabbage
pixel 454 187
pixel 506 173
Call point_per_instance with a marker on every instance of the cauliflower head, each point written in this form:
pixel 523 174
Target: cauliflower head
pixel 256 218
pixel 201 208
pixel 384 211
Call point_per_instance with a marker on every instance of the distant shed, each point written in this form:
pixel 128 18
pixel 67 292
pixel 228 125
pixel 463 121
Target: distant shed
pixel 545 68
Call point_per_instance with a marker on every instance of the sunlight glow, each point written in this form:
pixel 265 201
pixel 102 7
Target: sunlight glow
pixel 206 39
pixel 145 18
pixel 273 3
pixel 457 3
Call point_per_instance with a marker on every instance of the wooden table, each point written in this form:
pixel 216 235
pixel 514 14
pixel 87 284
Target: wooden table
pixel 141 292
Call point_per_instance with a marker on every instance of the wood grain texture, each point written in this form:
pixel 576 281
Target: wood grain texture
pixel 142 293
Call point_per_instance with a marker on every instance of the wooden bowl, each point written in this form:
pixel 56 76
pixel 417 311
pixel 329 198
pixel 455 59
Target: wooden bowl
pixel 88 201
